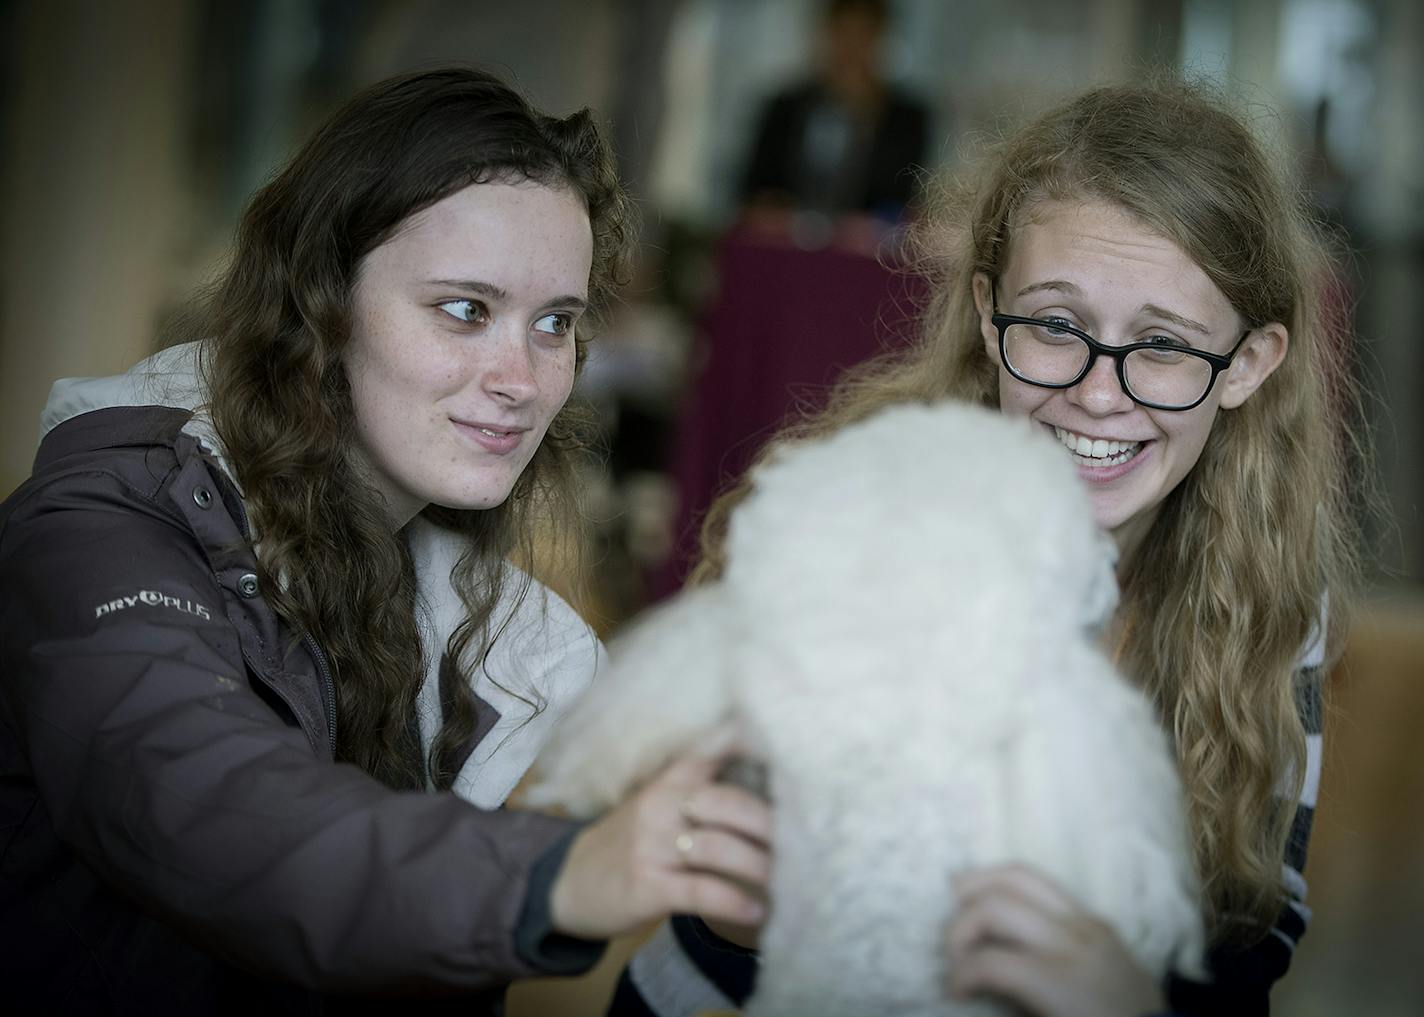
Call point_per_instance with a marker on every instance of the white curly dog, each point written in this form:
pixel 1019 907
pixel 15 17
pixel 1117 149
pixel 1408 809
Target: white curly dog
pixel 906 635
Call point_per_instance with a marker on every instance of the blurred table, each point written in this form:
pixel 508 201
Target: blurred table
pixel 1362 954
pixel 786 321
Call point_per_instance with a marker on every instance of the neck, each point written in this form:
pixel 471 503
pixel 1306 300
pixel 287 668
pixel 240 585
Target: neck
pixel 859 91
pixel 1129 537
pixel 397 507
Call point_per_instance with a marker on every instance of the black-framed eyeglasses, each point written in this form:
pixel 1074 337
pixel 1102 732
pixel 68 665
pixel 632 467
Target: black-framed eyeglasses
pixel 1053 354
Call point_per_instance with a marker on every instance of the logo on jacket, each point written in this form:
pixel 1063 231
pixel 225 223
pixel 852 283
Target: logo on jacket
pixel 152 598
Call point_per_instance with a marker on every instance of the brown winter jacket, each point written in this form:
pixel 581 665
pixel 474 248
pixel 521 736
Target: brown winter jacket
pixel 174 835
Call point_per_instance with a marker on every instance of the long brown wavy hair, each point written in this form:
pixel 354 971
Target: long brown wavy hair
pixel 273 328
pixel 1221 597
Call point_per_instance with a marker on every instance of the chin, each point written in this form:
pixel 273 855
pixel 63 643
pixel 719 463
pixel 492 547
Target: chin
pixel 471 501
pixel 1110 518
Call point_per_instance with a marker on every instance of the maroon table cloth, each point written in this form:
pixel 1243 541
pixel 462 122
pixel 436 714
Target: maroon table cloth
pixel 783 326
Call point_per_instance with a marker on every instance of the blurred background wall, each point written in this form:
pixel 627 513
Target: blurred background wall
pixel 132 132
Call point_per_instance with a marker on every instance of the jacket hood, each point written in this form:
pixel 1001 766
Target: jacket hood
pixel 170 377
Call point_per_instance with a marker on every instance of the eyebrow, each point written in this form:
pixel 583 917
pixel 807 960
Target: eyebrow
pixel 494 292
pixel 1052 284
pixel 1063 286
pixel 484 289
pixel 1176 319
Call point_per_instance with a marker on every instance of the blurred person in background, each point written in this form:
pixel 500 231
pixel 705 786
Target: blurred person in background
pixel 808 279
pixel 268 672
pixel 1132 273
pixel 846 140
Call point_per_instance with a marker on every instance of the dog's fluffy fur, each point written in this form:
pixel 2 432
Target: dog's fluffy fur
pixel 906 635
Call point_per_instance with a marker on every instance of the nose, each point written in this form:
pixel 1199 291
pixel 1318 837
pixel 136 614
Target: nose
pixel 1100 392
pixel 508 375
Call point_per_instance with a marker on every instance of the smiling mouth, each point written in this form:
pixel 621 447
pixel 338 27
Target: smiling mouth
pixel 498 440
pixel 1097 451
pixel 489 429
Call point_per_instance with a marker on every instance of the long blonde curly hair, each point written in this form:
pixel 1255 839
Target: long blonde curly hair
pixel 273 328
pixel 1220 599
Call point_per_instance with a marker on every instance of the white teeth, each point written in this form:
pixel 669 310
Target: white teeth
pixel 493 434
pixel 1109 453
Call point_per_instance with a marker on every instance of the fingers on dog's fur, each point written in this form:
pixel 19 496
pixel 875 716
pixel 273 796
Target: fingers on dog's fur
pixel 726 854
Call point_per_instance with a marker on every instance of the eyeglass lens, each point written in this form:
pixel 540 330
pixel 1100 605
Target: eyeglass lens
pixel 1049 356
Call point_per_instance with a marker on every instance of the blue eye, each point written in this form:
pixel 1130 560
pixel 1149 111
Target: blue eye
pixel 558 323
pixel 1164 349
pixel 471 312
pixel 1045 330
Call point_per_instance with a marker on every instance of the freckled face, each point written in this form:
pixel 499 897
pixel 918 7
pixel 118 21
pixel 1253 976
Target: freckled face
pixel 462 344
pixel 1095 267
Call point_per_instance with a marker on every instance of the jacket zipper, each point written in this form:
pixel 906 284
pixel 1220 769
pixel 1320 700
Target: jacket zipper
pixel 327 683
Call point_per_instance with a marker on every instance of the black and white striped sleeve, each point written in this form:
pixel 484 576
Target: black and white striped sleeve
pixel 683 970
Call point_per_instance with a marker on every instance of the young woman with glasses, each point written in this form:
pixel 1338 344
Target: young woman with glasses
pixel 1132 273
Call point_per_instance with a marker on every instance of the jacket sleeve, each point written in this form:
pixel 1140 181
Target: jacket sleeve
pixel 164 771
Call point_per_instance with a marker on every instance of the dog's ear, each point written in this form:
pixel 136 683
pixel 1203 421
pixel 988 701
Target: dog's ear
pixel 666 688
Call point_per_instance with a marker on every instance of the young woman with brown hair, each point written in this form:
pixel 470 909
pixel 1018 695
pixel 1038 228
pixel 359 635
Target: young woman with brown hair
pixel 1131 272
pixel 268 671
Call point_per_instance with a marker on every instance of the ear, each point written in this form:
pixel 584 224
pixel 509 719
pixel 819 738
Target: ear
pixel 984 304
pixel 1261 354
